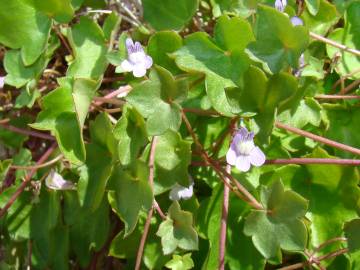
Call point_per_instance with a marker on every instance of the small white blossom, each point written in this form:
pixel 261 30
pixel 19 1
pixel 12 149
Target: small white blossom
pixel 179 192
pixel 243 152
pixel 57 182
pixel 280 5
pixel 2 82
pixel 295 21
pixel 138 62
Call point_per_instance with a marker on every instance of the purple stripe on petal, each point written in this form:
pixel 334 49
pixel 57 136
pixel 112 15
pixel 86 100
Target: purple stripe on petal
pixel 138 47
pixel 257 157
pixel 129 45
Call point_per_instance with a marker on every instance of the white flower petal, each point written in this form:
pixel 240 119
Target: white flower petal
pixel 179 192
pixel 231 156
pixel 127 66
pixel 139 70
pixel 257 157
pixel 242 163
pixel 57 182
pixel 148 62
pixel 2 82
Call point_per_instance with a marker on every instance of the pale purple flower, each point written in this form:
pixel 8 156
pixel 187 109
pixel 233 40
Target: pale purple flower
pixel 243 152
pixel 179 192
pixel 295 21
pixel 138 62
pixel 2 82
pixel 280 5
pixel 57 182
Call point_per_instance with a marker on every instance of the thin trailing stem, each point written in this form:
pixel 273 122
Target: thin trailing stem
pixel 328 242
pixel 320 139
pixel 337 97
pixel 43 165
pixel 294 266
pixel 342 78
pixel 351 162
pixel 350 87
pixel 334 44
pixel 221 171
pixel 223 225
pixel 149 216
pixel 28 132
pixel 27 179
pixel 333 254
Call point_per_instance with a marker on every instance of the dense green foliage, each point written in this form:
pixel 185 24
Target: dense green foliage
pixel 104 168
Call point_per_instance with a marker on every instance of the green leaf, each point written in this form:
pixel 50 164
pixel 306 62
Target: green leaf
pixel 352 233
pixel 60 10
pixel 26 99
pixel 180 262
pixel 307 112
pixel 326 17
pixel 223 63
pixel 4 168
pixel 131 132
pixel 89 46
pixel 169 15
pixel 177 231
pixel 348 36
pixel 160 45
pixel 26 24
pixel 208 224
pixel 172 158
pixel 101 133
pixel 127 247
pixel 17 73
pixel 93 176
pixel 157 100
pixel 17 219
pixel 90 232
pixel 13 139
pixel 64 112
pixel 22 158
pixel 241 8
pixel 44 218
pixel 111 25
pixel 313 6
pixel 266 97
pixel 342 123
pixel 128 204
pixel 278 42
pixel 280 225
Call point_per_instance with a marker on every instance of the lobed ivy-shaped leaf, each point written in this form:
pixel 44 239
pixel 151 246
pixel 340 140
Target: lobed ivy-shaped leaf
pixel 98 166
pixel 349 36
pixel 177 231
pixel 30 29
pixel 352 233
pixel 280 224
pixel 130 193
pixel 221 59
pixel 64 112
pixel 180 262
pixel 89 46
pixel 131 133
pixel 60 10
pixel 278 43
pixel 169 15
pixel 158 100
pixel 208 225
pixel 172 158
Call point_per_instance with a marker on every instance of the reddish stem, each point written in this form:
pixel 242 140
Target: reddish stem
pixel 27 179
pixel 149 216
pixel 224 216
pixel 28 132
pixel 318 138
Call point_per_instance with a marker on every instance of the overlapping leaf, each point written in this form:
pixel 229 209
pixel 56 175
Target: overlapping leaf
pixel 280 224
